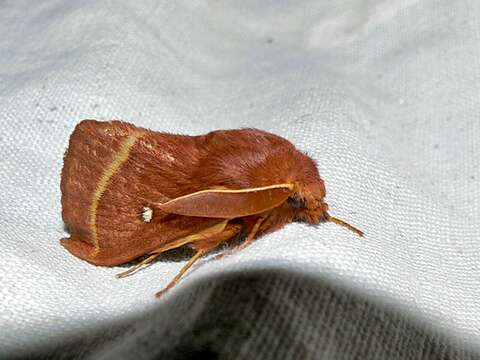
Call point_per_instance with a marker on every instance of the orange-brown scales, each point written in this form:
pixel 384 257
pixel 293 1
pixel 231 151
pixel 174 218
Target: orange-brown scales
pixel 129 192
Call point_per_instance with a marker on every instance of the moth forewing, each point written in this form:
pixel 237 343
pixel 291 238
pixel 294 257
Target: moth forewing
pixel 229 204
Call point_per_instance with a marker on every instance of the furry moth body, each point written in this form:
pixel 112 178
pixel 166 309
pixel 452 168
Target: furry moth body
pixel 128 192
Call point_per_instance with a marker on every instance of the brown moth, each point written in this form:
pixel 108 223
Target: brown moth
pixel 129 192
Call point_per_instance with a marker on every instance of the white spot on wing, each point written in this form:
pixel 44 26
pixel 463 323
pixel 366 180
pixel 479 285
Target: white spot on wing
pixel 168 157
pixel 147 214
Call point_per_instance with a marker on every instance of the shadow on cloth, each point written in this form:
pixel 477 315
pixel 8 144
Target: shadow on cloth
pixel 268 314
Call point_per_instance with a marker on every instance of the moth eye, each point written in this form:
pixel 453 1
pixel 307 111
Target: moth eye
pixel 296 201
pixel 147 214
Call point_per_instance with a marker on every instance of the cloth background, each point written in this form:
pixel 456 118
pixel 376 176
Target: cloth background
pixel 384 95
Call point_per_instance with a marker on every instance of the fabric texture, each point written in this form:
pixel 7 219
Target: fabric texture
pixel 384 95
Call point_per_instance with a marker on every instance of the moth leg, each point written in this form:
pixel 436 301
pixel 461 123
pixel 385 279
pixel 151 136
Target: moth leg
pixel 206 233
pixel 210 242
pixel 248 240
pixel 153 255
pixel 138 266
pixel 203 245
pixel 177 277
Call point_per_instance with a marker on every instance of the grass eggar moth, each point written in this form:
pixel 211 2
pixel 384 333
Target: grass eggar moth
pixel 129 192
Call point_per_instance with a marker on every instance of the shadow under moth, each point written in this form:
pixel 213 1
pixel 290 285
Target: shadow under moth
pixel 128 192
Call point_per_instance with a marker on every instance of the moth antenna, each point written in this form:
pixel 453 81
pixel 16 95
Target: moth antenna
pixel 345 224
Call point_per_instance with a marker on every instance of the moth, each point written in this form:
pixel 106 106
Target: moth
pixel 129 192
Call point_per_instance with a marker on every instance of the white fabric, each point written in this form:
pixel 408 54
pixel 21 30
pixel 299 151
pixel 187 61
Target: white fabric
pixel 384 95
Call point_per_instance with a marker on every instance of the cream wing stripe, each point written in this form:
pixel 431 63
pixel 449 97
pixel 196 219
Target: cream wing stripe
pixel 102 185
pixel 239 191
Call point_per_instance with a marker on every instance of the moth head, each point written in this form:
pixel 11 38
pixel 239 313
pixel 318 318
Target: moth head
pixel 308 199
pixel 308 202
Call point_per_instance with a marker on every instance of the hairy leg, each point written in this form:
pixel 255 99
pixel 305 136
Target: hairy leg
pixel 202 246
